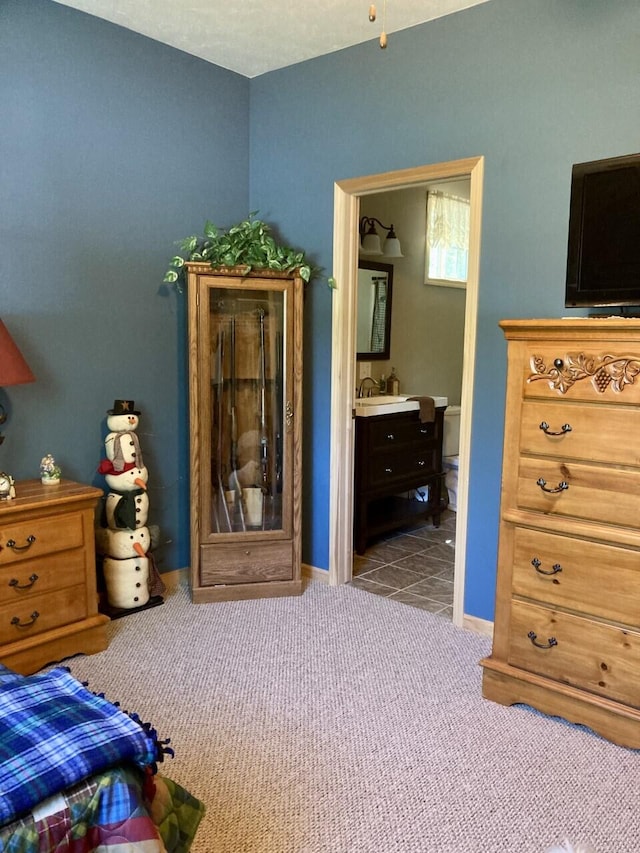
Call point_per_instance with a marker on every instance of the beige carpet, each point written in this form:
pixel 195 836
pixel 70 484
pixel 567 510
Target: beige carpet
pixel 341 722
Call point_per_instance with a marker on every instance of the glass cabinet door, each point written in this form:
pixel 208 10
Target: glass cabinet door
pixel 245 408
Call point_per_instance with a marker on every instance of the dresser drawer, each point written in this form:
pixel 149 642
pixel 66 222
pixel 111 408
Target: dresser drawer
pixel 591 578
pixel 598 372
pixel 233 563
pixel 580 431
pixel 40 613
pixel 592 656
pixel 30 539
pixel 576 490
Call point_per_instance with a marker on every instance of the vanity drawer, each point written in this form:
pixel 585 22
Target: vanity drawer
pixel 29 578
pixel 232 563
pixel 29 539
pixel 597 372
pixel 404 468
pixel 577 490
pixel 581 431
pixel 603 659
pixel 588 577
pixel 392 431
pixel 40 613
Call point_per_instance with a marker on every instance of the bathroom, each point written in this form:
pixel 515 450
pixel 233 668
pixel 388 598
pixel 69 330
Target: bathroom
pixel 426 350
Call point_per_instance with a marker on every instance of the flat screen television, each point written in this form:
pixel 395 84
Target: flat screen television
pixel 603 257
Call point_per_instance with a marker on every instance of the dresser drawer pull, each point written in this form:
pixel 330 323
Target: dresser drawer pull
pixel 388 470
pixel 11 543
pixel 421 463
pixel 561 487
pixel 15 583
pixel 390 436
pixel 16 620
pixel 564 429
pixel 551 642
pixel 553 571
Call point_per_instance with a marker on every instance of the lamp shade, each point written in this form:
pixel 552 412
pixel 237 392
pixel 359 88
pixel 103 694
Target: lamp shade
pixel 371 245
pixel 14 370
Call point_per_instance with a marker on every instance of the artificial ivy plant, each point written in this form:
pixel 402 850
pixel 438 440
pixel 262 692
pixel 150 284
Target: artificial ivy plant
pixel 248 244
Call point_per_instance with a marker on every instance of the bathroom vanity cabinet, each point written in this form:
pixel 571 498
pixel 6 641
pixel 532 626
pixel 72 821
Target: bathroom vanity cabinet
pixel 396 454
pixel 245 413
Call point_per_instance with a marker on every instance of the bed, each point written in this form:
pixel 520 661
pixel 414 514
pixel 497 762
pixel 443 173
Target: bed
pixel 79 774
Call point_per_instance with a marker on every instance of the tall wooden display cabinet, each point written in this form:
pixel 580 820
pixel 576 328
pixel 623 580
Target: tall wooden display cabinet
pixel 245 408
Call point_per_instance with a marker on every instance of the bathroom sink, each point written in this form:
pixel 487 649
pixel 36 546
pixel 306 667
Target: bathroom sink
pixel 380 400
pixel 389 404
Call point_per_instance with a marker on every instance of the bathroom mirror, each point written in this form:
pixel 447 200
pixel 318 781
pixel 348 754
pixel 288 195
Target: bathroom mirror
pixel 373 332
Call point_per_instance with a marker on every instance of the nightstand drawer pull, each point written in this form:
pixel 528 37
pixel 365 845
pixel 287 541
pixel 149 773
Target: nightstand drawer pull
pixel 551 642
pixel 16 620
pixel 15 583
pixel 421 463
pixel 553 571
pixel 546 429
pixel 390 436
pixel 11 543
pixel 388 470
pixel 561 487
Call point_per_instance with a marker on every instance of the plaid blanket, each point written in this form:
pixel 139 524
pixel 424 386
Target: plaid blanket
pixel 54 733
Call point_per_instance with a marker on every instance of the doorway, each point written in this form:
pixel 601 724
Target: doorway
pixel 347 195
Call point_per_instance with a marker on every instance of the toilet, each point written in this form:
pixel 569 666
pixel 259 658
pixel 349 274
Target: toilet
pixel 450 450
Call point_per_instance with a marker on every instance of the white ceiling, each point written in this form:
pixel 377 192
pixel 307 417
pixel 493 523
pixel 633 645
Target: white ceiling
pixel 252 37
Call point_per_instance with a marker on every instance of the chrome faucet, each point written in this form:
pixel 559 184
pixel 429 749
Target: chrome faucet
pixel 361 386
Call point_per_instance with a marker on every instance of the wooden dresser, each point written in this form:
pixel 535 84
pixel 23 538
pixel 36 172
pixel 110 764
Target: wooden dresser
pixel 567 622
pixel 395 454
pixel 48 599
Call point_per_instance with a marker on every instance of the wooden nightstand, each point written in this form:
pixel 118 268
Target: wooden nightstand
pixel 48 598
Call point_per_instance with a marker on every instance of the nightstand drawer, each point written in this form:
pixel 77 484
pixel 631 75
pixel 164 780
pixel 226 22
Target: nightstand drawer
pixel 588 432
pixel 575 490
pixel 26 579
pixel 41 613
pixel 30 539
pixel 588 577
pixel 603 659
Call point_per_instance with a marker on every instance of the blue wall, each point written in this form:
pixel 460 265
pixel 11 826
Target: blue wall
pixel 534 86
pixel 113 147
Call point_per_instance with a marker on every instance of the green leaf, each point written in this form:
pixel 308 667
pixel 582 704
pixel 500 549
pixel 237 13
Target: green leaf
pixel 177 261
pixel 171 276
pixel 333 284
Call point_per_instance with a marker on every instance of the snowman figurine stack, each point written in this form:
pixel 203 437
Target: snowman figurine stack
pixel 131 578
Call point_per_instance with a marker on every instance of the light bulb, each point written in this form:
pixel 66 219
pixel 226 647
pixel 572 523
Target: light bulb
pixel 383 40
pixel 372 12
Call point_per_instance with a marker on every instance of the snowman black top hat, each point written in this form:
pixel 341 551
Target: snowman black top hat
pixel 123 407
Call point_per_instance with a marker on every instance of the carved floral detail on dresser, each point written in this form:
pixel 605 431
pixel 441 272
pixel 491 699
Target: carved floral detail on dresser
pixel 603 371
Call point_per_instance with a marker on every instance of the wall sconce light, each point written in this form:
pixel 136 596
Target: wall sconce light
pixel 370 240
pixel 14 370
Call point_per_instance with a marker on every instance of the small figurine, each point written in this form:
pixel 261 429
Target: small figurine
pixel 49 472
pixel 7 487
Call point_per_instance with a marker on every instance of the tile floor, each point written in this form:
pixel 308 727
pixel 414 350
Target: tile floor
pixel 413 565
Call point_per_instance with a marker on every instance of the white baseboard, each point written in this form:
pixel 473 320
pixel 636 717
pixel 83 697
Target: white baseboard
pixel 477 625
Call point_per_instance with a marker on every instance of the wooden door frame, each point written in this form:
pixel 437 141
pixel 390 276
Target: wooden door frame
pixel 347 196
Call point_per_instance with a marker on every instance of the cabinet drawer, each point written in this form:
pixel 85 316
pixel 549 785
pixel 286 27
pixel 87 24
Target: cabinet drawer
pixel 41 613
pixel 389 433
pixel 592 656
pixel 592 433
pixel 594 579
pixel 29 539
pixel 245 562
pixel 594 493
pixel 602 373
pixel 401 467
pixel 32 577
